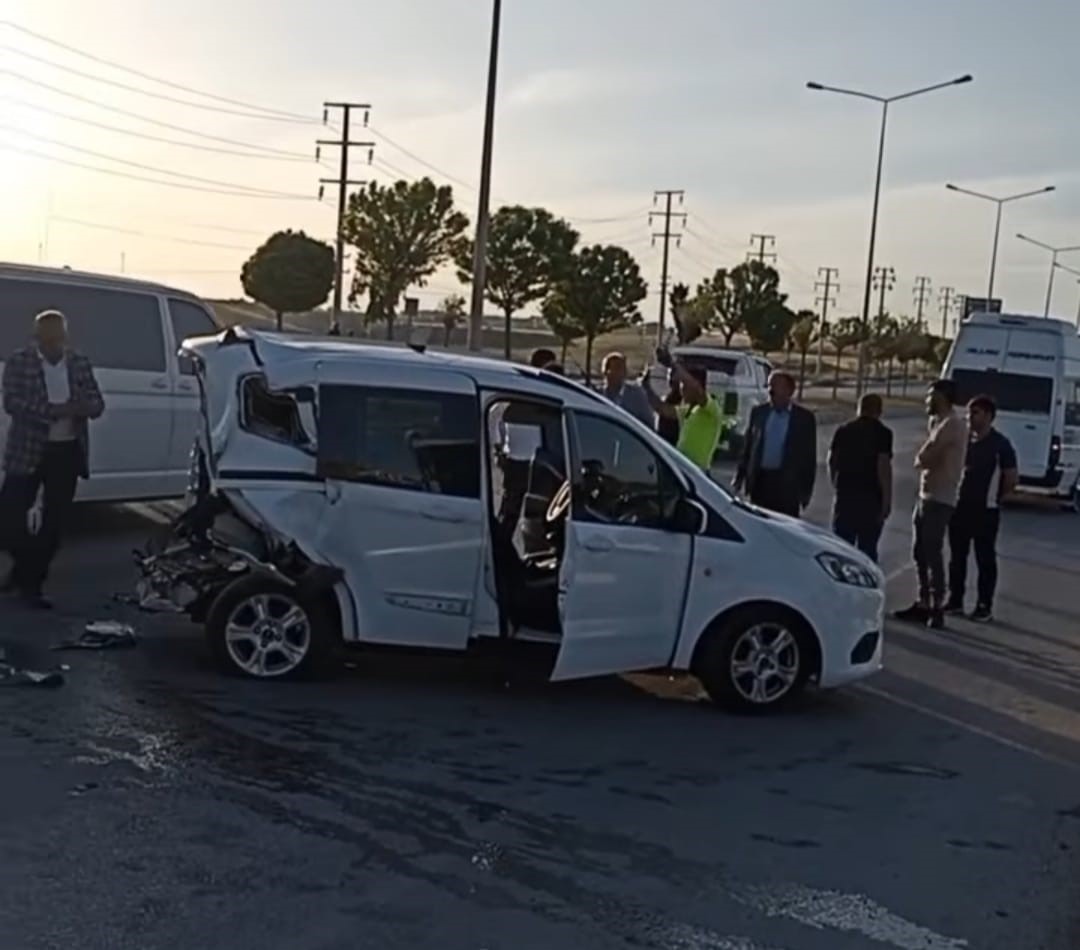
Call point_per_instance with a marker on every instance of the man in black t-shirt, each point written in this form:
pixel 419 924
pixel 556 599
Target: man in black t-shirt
pixel 990 474
pixel 860 465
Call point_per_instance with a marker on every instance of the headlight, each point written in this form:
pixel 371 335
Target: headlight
pixel 844 570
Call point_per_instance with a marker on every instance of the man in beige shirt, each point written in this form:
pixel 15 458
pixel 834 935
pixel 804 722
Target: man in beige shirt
pixel 940 462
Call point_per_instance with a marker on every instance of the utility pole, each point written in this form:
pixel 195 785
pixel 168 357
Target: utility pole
pixel 342 182
pixel 922 291
pixel 884 280
pixel 483 210
pixel 827 286
pixel 760 254
pixel 946 299
pixel 666 236
pixel 960 307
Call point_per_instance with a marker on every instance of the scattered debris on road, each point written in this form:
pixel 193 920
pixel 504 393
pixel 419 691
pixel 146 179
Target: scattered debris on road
pixel 13 676
pixel 101 635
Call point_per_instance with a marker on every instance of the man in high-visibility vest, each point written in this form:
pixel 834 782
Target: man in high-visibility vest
pixel 700 417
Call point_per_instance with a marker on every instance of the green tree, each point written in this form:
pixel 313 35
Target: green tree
pixel 804 334
pixel 563 326
pixel 528 249
pixel 844 335
pixel 757 305
pixel 884 333
pixel 770 326
pixel 402 234
pixel 289 273
pixel 716 299
pixel 599 293
pixel 453 309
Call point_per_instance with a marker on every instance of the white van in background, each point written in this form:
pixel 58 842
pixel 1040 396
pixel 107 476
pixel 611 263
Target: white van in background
pixel 1031 368
pixel 131 332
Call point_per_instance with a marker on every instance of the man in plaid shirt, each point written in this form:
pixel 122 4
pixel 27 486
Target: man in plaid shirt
pixel 50 393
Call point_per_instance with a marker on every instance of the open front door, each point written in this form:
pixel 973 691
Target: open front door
pixel 624 573
pixel 404 518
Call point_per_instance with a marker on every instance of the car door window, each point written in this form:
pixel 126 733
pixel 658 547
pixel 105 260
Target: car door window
pixel 189 319
pixel 408 439
pixel 621 480
pixel 114 329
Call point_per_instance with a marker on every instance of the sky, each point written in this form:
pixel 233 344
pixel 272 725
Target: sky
pixel 600 102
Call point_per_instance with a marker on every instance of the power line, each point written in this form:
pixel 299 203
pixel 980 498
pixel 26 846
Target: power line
pixel 155 138
pixel 143 118
pixel 127 87
pixel 144 234
pixel 264 192
pixel 612 220
pixel 416 158
pixel 164 82
pixel 116 173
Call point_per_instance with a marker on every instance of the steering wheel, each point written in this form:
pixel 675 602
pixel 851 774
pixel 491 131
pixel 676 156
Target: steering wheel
pixel 560 504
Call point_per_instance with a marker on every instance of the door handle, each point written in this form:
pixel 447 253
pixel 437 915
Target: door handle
pixel 599 545
pixel 160 384
pixel 441 514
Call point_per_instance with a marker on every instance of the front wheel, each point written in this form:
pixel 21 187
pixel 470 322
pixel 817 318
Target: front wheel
pixel 263 629
pixel 756 660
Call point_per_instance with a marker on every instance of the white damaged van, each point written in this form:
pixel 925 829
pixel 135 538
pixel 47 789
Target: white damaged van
pixel 1030 366
pixel 367 496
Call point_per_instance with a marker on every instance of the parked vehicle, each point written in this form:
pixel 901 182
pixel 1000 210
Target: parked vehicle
pixel 347 494
pixel 737 378
pixel 131 331
pixel 1031 368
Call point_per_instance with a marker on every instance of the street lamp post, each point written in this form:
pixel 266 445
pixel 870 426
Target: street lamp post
pixel 483 212
pixel 1075 273
pixel 1054 265
pixel 1000 202
pixel 885 101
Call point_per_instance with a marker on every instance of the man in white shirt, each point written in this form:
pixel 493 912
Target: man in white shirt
pixel 50 393
pixel 940 462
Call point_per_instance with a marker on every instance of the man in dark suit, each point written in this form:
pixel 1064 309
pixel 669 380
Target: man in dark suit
pixel 50 393
pixel 779 457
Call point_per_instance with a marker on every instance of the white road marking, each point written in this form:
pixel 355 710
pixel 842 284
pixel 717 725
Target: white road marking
pixel 967 726
pixel 853 913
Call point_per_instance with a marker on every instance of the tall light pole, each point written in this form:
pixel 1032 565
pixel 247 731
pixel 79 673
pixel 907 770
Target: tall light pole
pixel 1075 273
pixel 483 212
pixel 1000 202
pixel 885 101
pixel 1054 252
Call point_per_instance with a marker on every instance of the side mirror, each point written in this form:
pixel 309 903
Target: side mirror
pixel 731 404
pixel 186 365
pixel 690 517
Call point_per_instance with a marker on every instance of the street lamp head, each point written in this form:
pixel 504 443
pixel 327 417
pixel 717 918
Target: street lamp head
pixel 963 79
pixel 951 186
pixel 814 85
pixel 1050 188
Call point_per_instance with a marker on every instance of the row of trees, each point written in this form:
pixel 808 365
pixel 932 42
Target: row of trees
pixel 402 234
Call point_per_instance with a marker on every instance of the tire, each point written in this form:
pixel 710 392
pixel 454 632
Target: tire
pixel 301 647
pixel 1075 500
pixel 767 681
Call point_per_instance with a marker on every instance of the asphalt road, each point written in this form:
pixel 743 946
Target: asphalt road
pixel 148 803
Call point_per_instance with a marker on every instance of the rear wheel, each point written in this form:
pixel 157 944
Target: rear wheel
pixel 263 629
pixel 755 660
